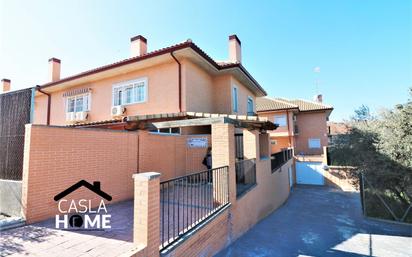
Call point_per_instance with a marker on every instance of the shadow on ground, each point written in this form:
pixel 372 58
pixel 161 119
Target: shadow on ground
pixel 322 221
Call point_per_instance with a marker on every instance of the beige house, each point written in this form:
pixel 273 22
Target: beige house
pixel 176 79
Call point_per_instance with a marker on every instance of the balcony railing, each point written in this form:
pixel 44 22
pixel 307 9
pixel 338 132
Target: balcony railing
pixel 245 175
pixel 280 158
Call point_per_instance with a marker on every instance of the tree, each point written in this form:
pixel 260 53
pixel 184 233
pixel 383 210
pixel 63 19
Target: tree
pixel 380 148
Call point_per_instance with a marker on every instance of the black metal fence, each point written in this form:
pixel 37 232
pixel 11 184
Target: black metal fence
pixel 187 201
pixel 280 158
pixel 245 175
pixel 15 112
pixel 383 202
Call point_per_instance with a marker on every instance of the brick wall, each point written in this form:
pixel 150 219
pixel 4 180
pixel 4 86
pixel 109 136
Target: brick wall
pixel 169 155
pixel 311 125
pixel 208 240
pixel 337 176
pixel 56 158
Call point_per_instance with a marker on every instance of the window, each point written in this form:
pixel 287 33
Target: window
pixel 78 103
pixel 314 142
pixel 130 92
pixel 281 120
pixel 172 131
pixel 235 98
pixel 274 142
pixel 250 106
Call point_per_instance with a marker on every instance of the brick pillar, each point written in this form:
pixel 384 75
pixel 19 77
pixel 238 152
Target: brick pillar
pixel 251 150
pixel 146 225
pixel 223 154
pixel 251 144
pixel 325 155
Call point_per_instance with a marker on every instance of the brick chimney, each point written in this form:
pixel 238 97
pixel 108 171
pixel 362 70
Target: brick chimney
pixel 318 98
pixel 5 85
pixel 138 46
pixel 54 69
pixel 235 50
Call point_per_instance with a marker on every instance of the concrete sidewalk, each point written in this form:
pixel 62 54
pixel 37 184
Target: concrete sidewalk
pixel 321 221
pixel 43 239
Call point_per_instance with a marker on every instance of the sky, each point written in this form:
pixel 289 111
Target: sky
pixel 363 48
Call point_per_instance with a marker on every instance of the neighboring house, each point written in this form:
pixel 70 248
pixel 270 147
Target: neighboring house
pixel 302 124
pixel 176 79
pixel 336 129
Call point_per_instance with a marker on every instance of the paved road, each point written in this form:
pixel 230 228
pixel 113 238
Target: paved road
pixel 319 221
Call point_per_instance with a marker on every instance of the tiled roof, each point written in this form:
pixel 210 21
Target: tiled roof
pixel 305 105
pixel 273 104
pixel 277 104
pixel 186 44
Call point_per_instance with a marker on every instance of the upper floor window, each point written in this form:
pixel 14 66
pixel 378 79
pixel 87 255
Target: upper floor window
pixel 130 92
pixel 235 96
pixel 78 103
pixel 281 120
pixel 314 143
pixel 250 106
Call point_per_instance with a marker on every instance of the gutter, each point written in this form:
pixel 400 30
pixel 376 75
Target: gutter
pixel 180 80
pixel 48 103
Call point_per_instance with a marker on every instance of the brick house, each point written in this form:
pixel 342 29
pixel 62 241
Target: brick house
pixel 176 79
pixel 302 124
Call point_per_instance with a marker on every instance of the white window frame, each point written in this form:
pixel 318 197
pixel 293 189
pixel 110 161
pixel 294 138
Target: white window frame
pixel 235 101
pixel 281 116
pixel 167 133
pixel 129 84
pixel 86 108
pixel 247 104
pixel 310 143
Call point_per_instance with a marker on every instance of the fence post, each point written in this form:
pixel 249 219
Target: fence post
pixel 146 225
pixel 223 154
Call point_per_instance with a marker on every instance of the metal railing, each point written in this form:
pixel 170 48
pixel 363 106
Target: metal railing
pixel 280 158
pixel 185 202
pixel 245 175
pixel 383 202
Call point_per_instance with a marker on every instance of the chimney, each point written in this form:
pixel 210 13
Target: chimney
pixel 54 69
pixel 138 46
pixel 235 51
pixel 318 98
pixel 5 85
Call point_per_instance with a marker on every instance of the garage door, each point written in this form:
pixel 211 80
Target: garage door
pixel 310 173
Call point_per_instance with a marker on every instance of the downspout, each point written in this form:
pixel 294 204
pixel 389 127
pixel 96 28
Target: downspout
pixel 287 119
pixel 48 103
pixel 180 80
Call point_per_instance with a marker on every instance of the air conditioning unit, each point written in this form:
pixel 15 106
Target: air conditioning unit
pixel 81 116
pixel 70 117
pixel 118 111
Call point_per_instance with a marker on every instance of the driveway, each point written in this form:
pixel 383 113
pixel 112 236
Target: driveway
pixel 321 221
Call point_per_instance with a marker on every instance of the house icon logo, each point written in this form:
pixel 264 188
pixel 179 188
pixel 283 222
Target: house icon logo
pixel 82 214
pixel 95 187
